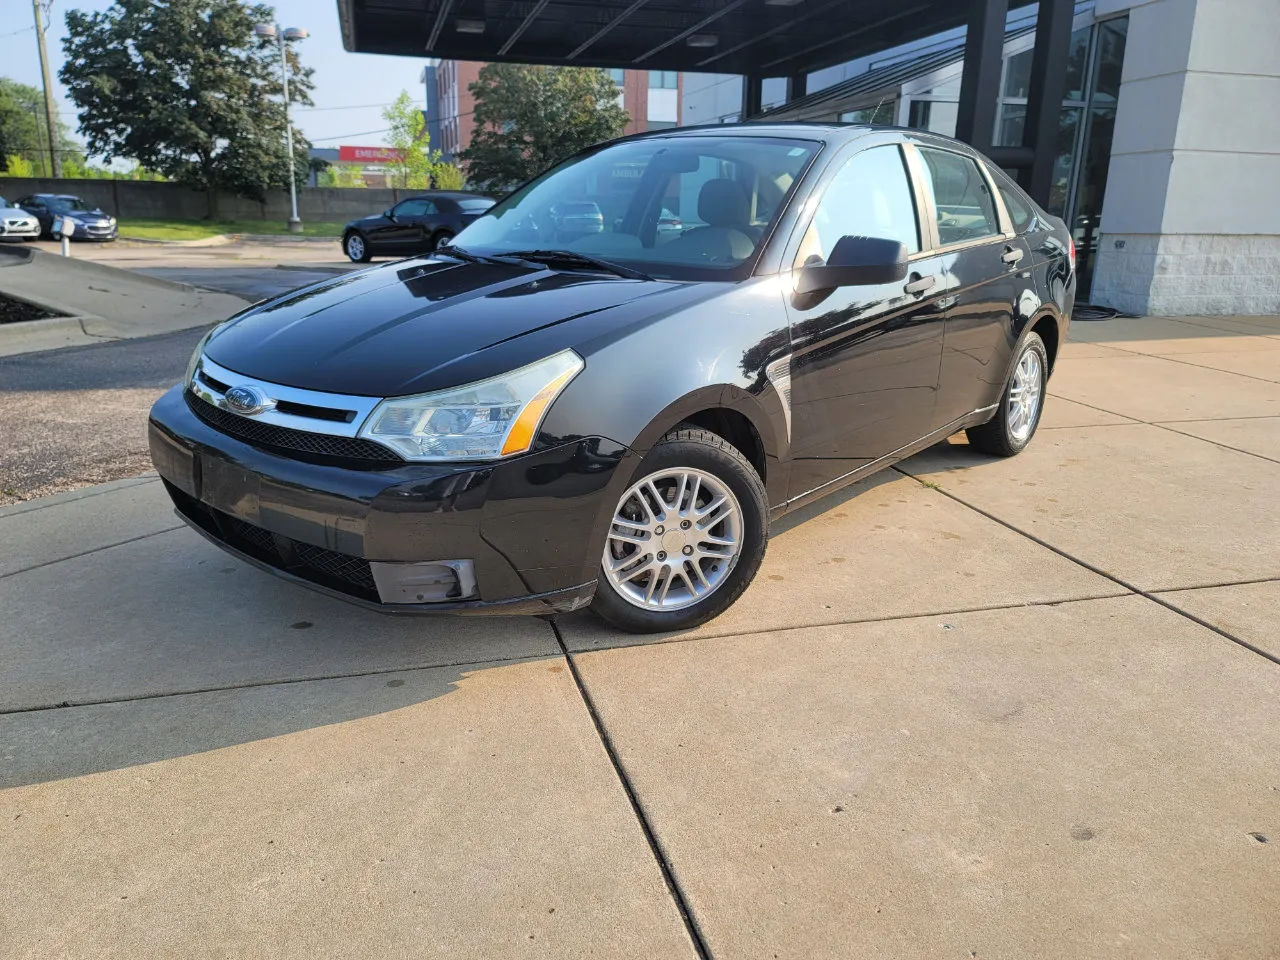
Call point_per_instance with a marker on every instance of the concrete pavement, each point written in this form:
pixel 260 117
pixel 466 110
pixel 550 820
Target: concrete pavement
pixel 971 708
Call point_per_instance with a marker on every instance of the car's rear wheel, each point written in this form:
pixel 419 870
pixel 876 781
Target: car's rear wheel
pixel 441 238
pixel 1021 404
pixel 686 537
pixel 356 248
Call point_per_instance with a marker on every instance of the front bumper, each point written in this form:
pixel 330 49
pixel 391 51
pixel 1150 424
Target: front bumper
pixel 19 230
pixel 531 527
pixel 85 232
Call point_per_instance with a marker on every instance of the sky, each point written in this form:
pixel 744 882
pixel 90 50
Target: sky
pixel 351 88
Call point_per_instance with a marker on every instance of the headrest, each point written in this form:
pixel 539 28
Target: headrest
pixel 723 203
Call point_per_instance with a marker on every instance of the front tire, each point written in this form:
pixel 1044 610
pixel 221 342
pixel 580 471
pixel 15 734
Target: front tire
pixel 1021 403
pixel 687 536
pixel 356 247
pixel 444 236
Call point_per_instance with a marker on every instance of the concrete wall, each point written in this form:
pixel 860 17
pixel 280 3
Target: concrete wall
pixel 171 201
pixel 1191 220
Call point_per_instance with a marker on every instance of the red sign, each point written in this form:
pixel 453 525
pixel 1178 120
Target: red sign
pixel 367 155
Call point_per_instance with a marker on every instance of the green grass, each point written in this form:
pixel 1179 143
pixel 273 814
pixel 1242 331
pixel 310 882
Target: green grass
pixel 203 229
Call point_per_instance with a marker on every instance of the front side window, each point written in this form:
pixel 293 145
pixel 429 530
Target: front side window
pixel 961 197
pixel 413 208
pixel 725 191
pixel 870 196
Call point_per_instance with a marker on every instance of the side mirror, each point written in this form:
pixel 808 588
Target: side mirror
pixel 856 262
pixel 388 214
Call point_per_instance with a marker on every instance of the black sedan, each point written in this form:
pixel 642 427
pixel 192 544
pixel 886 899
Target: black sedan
pixel 513 426
pixel 416 225
pixel 88 222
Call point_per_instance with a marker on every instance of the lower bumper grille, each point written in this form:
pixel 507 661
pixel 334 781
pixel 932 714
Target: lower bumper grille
pixel 339 571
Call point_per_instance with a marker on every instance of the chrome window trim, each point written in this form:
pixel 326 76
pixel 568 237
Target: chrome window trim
pixel 276 392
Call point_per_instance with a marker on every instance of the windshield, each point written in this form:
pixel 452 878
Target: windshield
pixel 690 208
pixel 67 204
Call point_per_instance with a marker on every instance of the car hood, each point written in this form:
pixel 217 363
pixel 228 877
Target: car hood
pixel 411 327
pixel 89 215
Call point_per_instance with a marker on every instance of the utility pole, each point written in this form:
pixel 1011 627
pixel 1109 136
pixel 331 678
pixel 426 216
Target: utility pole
pixel 50 111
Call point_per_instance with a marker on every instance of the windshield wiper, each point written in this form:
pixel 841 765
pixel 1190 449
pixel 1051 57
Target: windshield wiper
pixel 459 254
pixel 573 258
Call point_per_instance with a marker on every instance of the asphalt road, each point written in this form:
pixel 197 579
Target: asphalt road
pixel 78 416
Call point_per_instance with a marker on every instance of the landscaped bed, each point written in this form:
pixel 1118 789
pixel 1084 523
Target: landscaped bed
pixel 18 311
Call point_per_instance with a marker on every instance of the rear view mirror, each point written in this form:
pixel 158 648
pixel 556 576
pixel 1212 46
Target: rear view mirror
pixel 856 262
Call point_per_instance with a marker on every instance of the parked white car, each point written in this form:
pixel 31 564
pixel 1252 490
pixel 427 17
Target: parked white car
pixel 16 223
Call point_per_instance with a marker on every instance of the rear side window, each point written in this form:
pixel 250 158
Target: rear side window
pixel 961 197
pixel 1020 211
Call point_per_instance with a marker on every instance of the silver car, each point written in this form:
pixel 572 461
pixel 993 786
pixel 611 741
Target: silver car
pixel 16 223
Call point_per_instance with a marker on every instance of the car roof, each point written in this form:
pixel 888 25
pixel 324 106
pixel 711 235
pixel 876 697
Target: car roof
pixel 57 196
pixel 448 195
pixel 831 133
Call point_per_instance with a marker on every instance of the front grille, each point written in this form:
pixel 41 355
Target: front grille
pixel 341 571
pixel 261 434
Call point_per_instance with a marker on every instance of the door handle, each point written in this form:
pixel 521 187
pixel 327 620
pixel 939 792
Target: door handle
pixel 918 284
pixel 1011 255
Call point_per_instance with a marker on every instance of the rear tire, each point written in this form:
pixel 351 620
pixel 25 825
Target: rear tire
pixel 356 247
pixel 1021 403
pixel 680 562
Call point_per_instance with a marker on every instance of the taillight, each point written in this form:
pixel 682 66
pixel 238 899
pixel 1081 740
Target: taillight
pixel 1071 252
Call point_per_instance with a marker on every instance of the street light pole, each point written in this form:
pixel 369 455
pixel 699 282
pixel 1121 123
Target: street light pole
pixel 281 37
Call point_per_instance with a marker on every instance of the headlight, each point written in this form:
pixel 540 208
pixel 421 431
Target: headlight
pixel 111 221
pixel 481 421
pixel 195 358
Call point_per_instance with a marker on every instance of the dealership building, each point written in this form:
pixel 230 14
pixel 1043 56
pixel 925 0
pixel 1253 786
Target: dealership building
pixel 1149 125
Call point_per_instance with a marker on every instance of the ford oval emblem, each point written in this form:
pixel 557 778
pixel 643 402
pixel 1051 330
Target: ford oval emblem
pixel 247 400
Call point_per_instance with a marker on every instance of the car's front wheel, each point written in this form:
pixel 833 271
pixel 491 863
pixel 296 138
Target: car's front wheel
pixel 686 538
pixel 441 238
pixel 356 248
pixel 1018 415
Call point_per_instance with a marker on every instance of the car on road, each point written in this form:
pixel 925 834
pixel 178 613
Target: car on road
pixel 88 222
pixel 508 425
pixel 16 223
pixel 414 225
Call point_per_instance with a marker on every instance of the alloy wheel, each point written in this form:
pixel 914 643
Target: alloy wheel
pixel 1024 395
pixel 674 538
pixel 355 247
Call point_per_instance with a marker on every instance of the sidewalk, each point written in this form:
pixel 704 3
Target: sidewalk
pixel 970 708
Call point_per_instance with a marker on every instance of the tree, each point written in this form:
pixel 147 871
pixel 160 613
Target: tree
pixel 446 176
pixel 409 139
pixel 186 89
pixel 17 165
pixel 528 118
pixel 24 129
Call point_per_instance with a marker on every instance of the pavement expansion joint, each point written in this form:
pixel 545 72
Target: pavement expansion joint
pixel 85 553
pixel 277 682
pixel 1149 595
pixel 655 845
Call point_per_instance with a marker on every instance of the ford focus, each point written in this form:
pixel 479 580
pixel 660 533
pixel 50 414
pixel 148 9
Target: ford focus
pixel 533 421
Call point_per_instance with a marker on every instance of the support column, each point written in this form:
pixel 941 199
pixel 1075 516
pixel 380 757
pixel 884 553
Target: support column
pixel 752 95
pixel 797 86
pixel 980 82
pixel 1044 99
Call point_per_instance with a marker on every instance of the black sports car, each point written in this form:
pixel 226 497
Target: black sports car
pixel 89 222
pixel 416 225
pixel 524 425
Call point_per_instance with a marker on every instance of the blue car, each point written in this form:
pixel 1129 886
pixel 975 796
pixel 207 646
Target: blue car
pixel 91 223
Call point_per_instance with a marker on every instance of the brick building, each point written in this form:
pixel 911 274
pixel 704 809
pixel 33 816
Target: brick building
pixel 650 97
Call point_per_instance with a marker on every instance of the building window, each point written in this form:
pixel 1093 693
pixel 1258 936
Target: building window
pixel 661 124
pixel 663 79
pixel 617 75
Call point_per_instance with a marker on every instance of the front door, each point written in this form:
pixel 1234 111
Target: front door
pixel 402 232
pixel 864 366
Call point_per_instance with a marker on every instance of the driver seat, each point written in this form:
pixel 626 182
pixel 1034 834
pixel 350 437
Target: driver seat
pixel 724 206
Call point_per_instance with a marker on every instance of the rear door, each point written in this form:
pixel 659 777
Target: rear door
pixel 864 366
pixel 988 269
